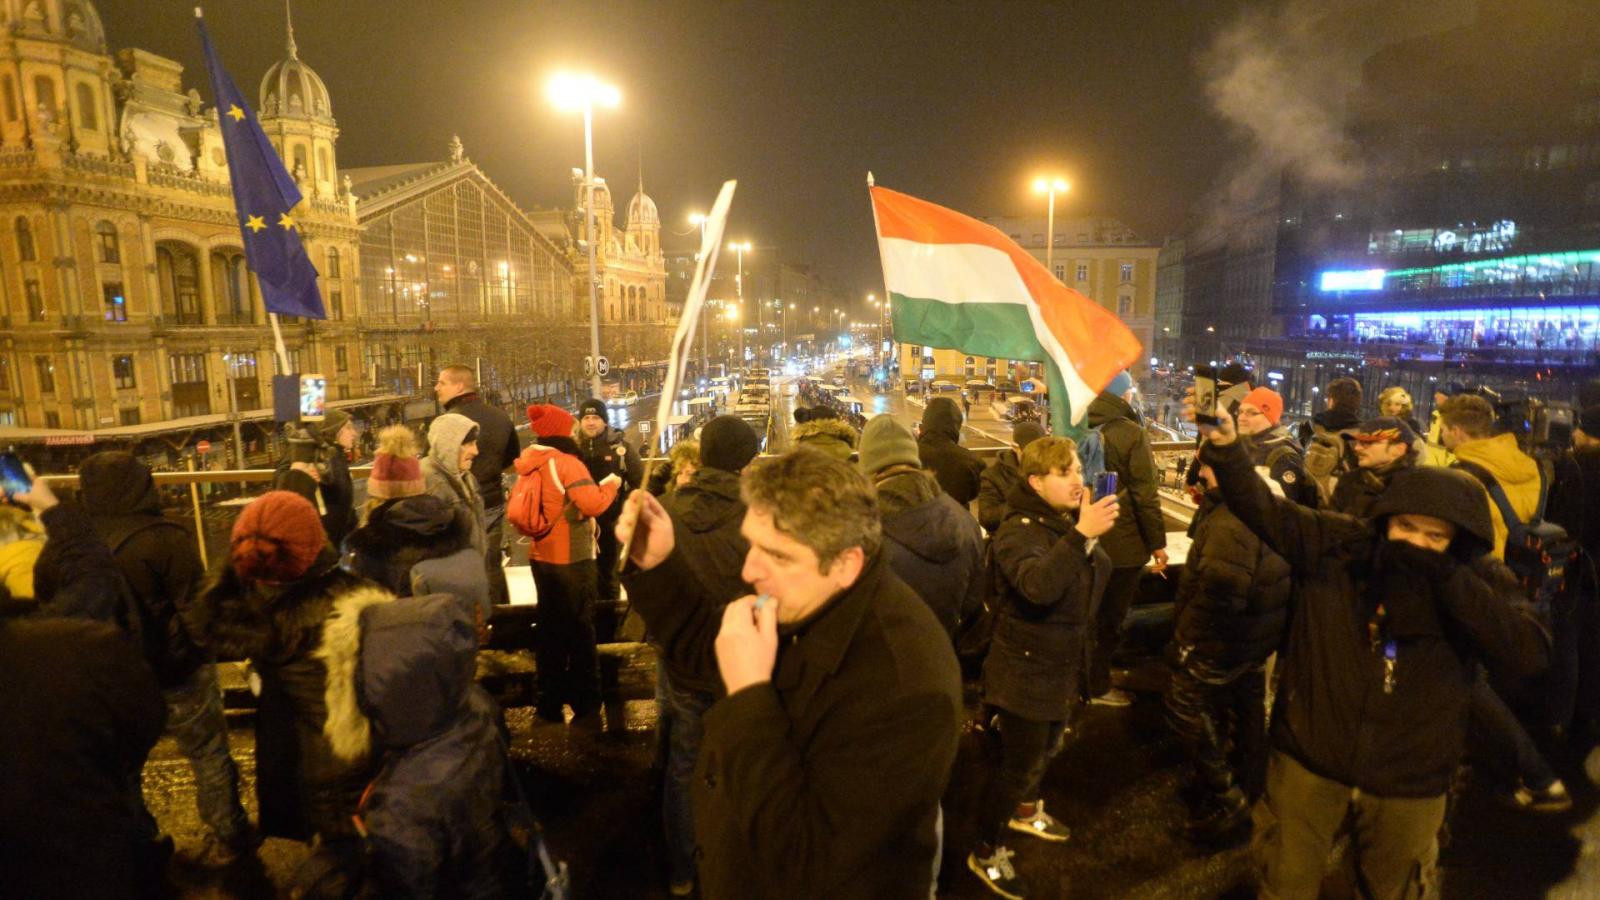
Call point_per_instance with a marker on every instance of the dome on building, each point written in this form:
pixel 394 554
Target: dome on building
pixel 75 21
pixel 291 88
pixel 642 211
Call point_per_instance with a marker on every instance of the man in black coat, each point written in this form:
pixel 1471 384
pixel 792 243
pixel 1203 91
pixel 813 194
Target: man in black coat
pixel 1389 621
pixel 939 447
pixel 498 448
pixel 324 480
pixel 159 563
pixel 1035 675
pixel 79 712
pixel 605 451
pixel 822 769
pixel 706 516
pixel 1003 474
pixel 1139 536
pixel 1383 447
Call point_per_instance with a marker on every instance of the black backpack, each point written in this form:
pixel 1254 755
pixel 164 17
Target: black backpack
pixel 1540 553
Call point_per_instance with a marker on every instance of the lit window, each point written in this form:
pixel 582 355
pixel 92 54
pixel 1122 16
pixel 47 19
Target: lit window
pixel 1083 272
pixel 122 370
pixel 1127 271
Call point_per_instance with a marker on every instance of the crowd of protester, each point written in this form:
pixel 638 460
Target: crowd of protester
pixel 1359 606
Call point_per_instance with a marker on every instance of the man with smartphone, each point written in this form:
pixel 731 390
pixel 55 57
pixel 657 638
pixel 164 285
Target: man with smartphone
pixel 318 469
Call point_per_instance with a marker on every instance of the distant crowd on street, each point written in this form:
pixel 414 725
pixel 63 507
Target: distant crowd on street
pixel 1366 607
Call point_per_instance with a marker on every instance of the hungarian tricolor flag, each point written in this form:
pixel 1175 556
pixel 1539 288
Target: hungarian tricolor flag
pixel 958 284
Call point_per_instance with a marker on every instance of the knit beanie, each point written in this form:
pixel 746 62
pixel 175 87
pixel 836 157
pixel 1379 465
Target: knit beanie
pixel 548 420
pixel 395 469
pixel 886 442
pixel 277 538
pixel 1268 401
pixel 728 443
pixel 1026 433
pixel 1120 385
pixel 593 407
pixel 327 430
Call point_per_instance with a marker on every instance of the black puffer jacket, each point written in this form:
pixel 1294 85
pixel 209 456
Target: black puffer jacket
pixel 156 555
pixel 1140 529
pixel 1052 582
pixel 706 515
pixel 939 448
pixel 1444 612
pixel 1233 602
pixel 498 447
pixel 606 455
pixel 308 779
pixel 933 544
pixel 994 485
pixel 432 814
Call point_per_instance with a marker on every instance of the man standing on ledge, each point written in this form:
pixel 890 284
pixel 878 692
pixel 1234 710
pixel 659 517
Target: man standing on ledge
pixel 821 771
pixel 457 390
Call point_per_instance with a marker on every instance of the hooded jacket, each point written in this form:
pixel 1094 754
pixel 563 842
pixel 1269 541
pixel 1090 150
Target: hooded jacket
pixel 824 781
pixel 421 545
pixel 443 477
pixel 1517 473
pixel 994 485
pixel 607 454
pixel 933 544
pixel 497 445
pixel 1140 529
pixel 571 499
pixel 157 558
pixel 312 740
pixel 706 516
pixel 834 437
pixel 1051 580
pixel 75 576
pixel 431 815
pixel 1233 601
pixel 1442 612
pixel 939 447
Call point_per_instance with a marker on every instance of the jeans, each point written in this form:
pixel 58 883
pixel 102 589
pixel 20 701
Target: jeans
pixel 1027 748
pixel 563 637
pixel 196 721
pixel 1121 589
pixel 688 710
pixel 1392 839
pixel 1501 742
pixel 494 530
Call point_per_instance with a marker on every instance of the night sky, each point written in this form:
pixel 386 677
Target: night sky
pixel 957 103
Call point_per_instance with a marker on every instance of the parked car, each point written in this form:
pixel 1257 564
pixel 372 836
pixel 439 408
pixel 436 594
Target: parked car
pixel 626 398
pixel 943 387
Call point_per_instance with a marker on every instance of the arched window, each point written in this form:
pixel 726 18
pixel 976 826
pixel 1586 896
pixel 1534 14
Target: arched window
pixel 109 247
pixel 324 171
pixel 44 91
pixel 88 107
pixel 25 250
pixel 178 274
pixel 301 163
pixel 333 262
pixel 230 288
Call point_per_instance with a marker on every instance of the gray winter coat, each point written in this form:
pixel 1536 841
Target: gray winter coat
pixel 442 475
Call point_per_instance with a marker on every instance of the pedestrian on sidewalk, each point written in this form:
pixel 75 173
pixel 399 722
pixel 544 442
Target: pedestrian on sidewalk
pixel 1052 572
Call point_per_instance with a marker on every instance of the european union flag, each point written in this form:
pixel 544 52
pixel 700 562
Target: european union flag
pixel 265 197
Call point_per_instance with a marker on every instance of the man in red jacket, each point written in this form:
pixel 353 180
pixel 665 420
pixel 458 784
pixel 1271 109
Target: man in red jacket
pixel 563 561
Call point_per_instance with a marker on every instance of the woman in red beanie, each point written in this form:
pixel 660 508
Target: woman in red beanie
pixel 281 601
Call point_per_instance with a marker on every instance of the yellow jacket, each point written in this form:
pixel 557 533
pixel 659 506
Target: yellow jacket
pixel 1516 472
pixel 16 566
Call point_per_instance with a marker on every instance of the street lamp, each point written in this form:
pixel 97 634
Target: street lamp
pixel 741 248
pixel 699 218
pixel 1050 187
pixel 581 92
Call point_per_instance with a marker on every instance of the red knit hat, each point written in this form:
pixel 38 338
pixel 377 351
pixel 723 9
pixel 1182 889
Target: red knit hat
pixel 1268 401
pixel 547 420
pixel 277 538
pixel 395 469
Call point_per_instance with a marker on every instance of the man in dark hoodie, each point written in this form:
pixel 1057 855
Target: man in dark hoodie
pixel 1002 475
pixel 457 390
pixel 1389 621
pixel 933 543
pixel 706 515
pixel 605 451
pixel 158 560
pixel 1139 536
pixel 326 481
pixel 939 447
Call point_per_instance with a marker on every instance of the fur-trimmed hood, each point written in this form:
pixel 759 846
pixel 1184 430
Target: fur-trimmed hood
pixel 347 729
pixel 832 436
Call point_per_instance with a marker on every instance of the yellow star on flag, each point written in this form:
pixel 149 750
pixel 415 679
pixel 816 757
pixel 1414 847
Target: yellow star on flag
pixel 235 113
pixel 286 221
pixel 255 223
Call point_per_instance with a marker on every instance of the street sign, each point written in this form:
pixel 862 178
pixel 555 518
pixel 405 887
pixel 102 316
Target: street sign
pixel 203 447
pixel 604 366
pixel 588 366
pixel 644 427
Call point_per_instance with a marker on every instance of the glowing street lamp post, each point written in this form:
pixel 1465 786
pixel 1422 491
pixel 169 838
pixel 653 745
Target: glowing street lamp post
pixel 741 248
pixel 1050 187
pixel 582 92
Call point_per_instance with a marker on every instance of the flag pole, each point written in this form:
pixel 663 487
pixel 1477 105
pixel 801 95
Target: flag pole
pixel 277 340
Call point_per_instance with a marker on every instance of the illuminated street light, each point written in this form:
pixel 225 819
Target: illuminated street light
pixel 575 92
pixel 741 249
pixel 1050 187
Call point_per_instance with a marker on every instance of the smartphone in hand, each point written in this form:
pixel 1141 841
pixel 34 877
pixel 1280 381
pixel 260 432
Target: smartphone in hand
pixel 1105 484
pixel 14 478
pixel 1205 395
